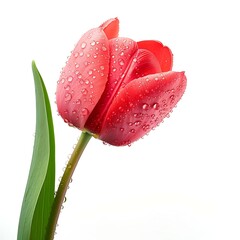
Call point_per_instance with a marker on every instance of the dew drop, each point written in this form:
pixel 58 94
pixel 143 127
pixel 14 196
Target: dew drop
pixel 81 54
pixel 121 129
pixel 84 44
pixel 84 91
pixel 132 130
pixel 145 127
pixel 68 97
pixel 121 62
pixel 172 98
pixel 137 123
pixel 93 43
pixel 67 87
pixel 85 111
pixel 145 106
pixel 62 80
pixel 155 106
pixel 76 54
pixel 70 124
pixel 104 48
pixel 70 78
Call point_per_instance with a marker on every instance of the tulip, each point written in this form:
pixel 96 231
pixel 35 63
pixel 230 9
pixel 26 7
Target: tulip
pixel 118 89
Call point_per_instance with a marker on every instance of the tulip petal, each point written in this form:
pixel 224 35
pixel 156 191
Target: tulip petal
pixel 141 106
pixel 163 53
pixel 84 77
pixel 121 52
pixel 111 27
pixel 142 63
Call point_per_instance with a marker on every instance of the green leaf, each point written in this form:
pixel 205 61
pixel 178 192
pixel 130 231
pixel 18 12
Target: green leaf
pixel 39 192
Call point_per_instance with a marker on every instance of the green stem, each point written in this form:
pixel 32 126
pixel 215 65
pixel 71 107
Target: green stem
pixel 63 186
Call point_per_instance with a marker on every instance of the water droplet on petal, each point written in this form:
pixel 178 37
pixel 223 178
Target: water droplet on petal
pixel 137 123
pixel 84 91
pixel 132 130
pixel 155 106
pixel 172 99
pixel 78 102
pixel 67 87
pixel 121 62
pixel 70 78
pixel 145 127
pixel 84 44
pixel 85 111
pixel 68 97
pixel 93 43
pixel 145 106
pixel 76 54
pixel 104 48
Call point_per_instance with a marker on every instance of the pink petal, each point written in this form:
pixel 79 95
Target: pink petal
pixel 162 53
pixel 111 28
pixel 142 63
pixel 84 77
pixel 121 52
pixel 142 106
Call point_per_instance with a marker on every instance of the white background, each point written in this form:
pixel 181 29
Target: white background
pixel 182 181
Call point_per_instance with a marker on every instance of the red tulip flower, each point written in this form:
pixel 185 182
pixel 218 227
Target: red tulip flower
pixel 118 89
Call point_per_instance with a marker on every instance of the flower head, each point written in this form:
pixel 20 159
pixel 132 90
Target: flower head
pixel 116 88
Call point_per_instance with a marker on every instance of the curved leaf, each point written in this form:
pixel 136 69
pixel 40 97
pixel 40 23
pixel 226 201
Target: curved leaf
pixel 39 192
